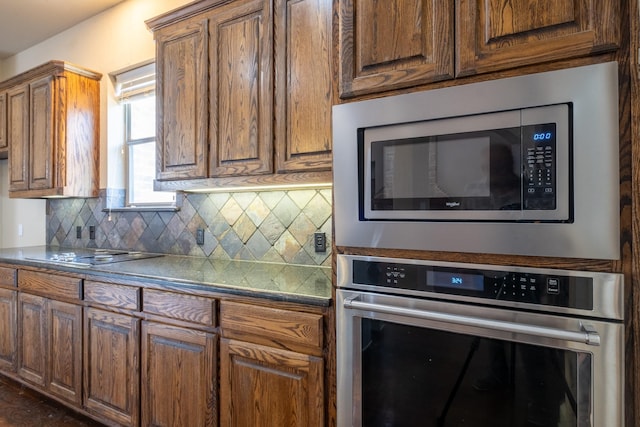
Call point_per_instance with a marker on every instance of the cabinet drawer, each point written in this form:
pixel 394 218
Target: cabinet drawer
pixel 120 296
pixel 284 328
pixel 50 285
pixel 188 308
pixel 8 276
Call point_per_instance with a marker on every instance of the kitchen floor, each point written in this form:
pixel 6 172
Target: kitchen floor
pixel 20 406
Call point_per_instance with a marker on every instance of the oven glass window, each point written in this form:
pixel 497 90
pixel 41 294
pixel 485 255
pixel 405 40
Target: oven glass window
pixel 421 377
pixel 471 171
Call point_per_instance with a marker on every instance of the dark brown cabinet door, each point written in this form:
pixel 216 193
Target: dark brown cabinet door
pixel 303 85
pixel 182 95
pixel 262 387
pixel 64 362
pixel 241 83
pixel 387 46
pixel 41 135
pixel 18 137
pixel 497 34
pixel 4 145
pixel 8 330
pixel 179 373
pixel 32 340
pixel 111 366
pixel 50 346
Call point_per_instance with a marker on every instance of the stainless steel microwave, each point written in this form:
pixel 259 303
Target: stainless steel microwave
pixel 500 166
pixel 526 165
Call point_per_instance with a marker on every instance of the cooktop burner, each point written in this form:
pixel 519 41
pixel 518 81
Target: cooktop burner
pixel 86 259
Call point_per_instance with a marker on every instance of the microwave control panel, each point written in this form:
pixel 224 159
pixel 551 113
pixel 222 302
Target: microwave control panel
pixel 539 166
pixel 523 287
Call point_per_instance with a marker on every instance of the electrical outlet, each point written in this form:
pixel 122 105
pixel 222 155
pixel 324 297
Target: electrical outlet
pixel 92 232
pixel 320 242
pixel 78 232
pixel 200 236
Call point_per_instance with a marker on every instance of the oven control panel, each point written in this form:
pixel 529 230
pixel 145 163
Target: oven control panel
pixel 559 290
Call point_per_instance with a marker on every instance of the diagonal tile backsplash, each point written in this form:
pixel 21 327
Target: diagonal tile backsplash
pixel 274 226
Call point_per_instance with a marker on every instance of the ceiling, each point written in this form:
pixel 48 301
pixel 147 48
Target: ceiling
pixel 24 23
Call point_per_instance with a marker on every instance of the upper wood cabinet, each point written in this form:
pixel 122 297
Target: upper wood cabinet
pixel 412 43
pixel 303 89
pixel 244 90
pixel 4 145
pixel 53 114
pixel 241 83
pixel 497 34
pixel 181 96
pixel 383 47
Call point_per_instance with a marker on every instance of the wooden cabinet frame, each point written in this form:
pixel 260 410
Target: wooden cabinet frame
pixel 53 129
pixel 111 366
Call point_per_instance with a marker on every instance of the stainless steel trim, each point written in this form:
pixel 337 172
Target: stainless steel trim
pixel 590 336
pixel 594 232
pixel 608 288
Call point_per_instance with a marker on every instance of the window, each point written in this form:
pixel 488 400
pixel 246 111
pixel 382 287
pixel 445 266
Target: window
pixel 140 142
pixel 135 89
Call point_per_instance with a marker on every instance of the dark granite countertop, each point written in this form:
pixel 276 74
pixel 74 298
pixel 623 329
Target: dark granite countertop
pixel 283 282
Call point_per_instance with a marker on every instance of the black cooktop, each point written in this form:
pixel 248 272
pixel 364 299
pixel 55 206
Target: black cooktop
pixel 86 258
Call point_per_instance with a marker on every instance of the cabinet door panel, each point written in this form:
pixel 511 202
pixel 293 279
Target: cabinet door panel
pixel 184 394
pixel 111 371
pixel 496 34
pixel 241 89
pixel 4 145
pixel 262 387
pixel 32 338
pixel 41 133
pixel 182 101
pixel 304 93
pixel 65 351
pixel 8 329
pixel 383 47
pixel 18 137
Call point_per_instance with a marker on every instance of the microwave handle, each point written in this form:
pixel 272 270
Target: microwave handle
pixel 588 335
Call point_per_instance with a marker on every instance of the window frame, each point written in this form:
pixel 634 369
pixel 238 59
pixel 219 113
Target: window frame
pixel 128 144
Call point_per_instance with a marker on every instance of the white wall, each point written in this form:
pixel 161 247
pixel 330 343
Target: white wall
pixel 29 215
pixel 113 40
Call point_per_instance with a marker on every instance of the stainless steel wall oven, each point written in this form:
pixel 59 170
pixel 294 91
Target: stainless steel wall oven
pixel 452 344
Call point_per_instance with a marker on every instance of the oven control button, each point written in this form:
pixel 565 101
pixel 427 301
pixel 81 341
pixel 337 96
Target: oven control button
pixel 553 285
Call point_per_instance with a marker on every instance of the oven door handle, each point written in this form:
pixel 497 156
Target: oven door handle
pixel 587 335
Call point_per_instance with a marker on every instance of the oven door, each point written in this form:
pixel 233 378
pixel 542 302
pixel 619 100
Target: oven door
pixel 413 362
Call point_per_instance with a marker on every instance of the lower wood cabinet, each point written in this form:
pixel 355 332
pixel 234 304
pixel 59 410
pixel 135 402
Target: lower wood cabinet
pixel 8 330
pixel 262 386
pixel 179 371
pixel 111 366
pixel 50 345
pixel 271 367
pixel 129 355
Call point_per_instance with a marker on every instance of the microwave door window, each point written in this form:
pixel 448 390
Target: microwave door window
pixel 472 171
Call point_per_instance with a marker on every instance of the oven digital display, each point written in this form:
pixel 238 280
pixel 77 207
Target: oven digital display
pixel 455 280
